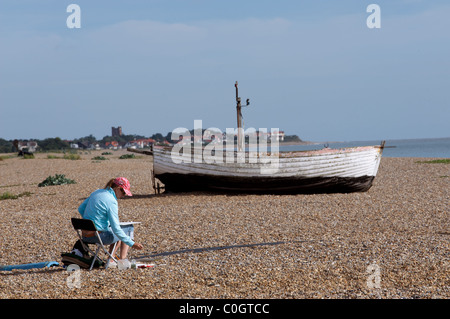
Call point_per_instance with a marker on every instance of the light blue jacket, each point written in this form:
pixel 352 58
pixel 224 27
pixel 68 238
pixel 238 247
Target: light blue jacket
pixel 101 207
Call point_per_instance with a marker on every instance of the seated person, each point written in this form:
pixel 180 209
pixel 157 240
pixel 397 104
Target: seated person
pixel 101 207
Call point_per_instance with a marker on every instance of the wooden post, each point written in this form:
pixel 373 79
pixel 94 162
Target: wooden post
pixel 240 139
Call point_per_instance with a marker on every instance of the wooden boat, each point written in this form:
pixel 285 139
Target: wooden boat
pixel 327 170
pixel 318 171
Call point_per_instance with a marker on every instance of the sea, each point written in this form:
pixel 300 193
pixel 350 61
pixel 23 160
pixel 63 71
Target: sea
pixel 421 147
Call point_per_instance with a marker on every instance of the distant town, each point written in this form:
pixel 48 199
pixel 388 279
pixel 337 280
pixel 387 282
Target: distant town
pixel 119 140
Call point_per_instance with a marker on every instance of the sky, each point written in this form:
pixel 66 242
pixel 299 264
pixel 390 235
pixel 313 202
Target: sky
pixel 310 68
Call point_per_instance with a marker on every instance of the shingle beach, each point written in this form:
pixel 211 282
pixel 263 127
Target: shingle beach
pixel 389 242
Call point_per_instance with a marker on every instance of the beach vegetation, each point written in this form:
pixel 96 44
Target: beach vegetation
pixel 3 157
pixel 8 195
pixel 99 158
pixel 28 156
pixel 72 156
pixel 126 156
pixel 58 179
pixel 436 161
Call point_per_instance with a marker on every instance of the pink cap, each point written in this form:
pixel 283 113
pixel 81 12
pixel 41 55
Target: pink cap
pixel 124 183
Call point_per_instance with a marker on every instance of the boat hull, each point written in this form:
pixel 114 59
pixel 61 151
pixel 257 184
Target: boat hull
pixel 261 185
pixel 322 171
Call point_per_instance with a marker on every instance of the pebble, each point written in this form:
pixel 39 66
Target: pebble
pixel 233 246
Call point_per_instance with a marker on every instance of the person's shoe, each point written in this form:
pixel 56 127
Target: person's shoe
pixel 76 252
pixel 111 263
pixel 79 246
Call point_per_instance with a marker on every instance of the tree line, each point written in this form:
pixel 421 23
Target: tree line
pixel 56 143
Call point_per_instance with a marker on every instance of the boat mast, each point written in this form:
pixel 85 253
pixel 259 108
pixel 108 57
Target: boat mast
pixel 241 136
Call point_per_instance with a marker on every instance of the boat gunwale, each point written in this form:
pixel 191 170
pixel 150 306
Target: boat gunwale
pixel 290 154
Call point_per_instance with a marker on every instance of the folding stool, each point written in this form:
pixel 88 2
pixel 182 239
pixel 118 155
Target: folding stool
pixel 85 224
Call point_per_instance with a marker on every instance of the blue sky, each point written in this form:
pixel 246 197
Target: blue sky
pixel 311 68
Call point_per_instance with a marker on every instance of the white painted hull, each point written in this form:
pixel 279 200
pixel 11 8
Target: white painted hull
pixel 349 169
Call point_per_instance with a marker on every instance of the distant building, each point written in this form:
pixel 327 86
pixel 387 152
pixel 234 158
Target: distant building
pixel 83 145
pixel 279 136
pixel 116 131
pixel 95 146
pixel 141 143
pixel 113 145
pixel 29 146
